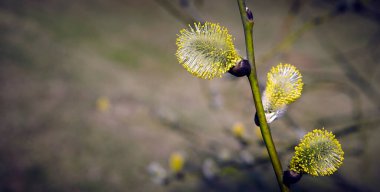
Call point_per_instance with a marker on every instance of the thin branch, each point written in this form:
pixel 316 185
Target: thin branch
pixel 253 81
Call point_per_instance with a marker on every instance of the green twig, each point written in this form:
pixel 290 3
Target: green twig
pixel 253 81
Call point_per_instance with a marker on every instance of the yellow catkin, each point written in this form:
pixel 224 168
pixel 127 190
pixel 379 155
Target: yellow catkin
pixel 206 50
pixel 284 86
pixel 176 162
pixel 319 153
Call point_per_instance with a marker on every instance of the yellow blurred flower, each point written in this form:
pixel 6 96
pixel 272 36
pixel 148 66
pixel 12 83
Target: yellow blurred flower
pixel 318 154
pixel 102 104
pixel 176 162
pixel 238 130
pixel 207 50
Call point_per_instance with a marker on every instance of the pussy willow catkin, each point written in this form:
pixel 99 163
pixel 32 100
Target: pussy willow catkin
pixel 206 50
pixel 319 153
pixel 284 86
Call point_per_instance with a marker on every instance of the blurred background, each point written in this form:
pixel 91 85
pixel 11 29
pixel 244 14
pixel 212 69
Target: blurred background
pixel 91 93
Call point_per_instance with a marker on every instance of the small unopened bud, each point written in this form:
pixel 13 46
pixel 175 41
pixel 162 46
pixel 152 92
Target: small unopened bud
pixel 291 177
pixel 257 122
pixel 242 68
pixel 249 14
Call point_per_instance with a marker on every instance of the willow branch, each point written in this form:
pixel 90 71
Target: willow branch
pixel 253 81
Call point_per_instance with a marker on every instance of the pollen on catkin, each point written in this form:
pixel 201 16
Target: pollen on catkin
pixel 319 153
pixel 284 86
pixel 206 50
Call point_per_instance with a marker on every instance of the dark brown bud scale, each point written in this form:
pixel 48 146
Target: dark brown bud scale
pixel 291 177
pixel 257 122
pixel 242 68
pixel 249 14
